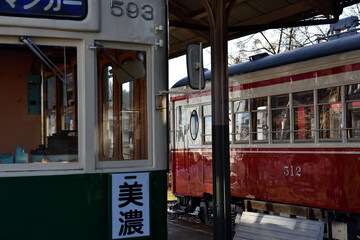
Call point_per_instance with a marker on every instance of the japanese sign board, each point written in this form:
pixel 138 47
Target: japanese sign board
pixel 130 205
pixel 54 9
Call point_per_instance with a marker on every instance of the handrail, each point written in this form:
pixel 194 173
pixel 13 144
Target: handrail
pixel 33 47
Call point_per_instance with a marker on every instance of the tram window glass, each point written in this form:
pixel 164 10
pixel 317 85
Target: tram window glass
pixel 107 91
pixel 330 113
pixel 207 122
pixel 304 118
pixel 259 118
pixel 122 104
pixel 68 108
pixel 180 123
pixel 242 121
pixel 280 117
pixel 353 111
pixel 49 134
pixel 230 124
pixel 50 107
pixel 194 124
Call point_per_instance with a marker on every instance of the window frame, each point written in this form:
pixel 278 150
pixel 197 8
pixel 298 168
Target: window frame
pixel 59 104
pixel 281 108
pixel 204 117
pixel 342 100
pixel 313 110
pixel 123 165
pixel 180 123
pixel 197 124
pixel 252 119
pixel 31 169
pixel 235 113
pixel 328 103
pixel 347 116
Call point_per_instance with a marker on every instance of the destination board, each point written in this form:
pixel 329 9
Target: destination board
pixel 53 9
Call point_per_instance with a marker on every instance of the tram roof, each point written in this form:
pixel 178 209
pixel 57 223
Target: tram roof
pixel 344 44
pixel 188 20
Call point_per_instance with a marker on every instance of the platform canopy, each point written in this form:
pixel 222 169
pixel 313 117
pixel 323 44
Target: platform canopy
pixel 189 21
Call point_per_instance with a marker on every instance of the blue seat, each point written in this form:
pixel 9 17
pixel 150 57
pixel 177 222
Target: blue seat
pixel 21 156
pixel 6 158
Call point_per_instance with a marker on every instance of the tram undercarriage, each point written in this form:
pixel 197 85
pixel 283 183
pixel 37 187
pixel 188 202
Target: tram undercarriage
pixel 338 225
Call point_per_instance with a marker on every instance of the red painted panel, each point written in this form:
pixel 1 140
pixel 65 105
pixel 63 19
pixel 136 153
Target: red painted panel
pixel 179 173
pixel 323 178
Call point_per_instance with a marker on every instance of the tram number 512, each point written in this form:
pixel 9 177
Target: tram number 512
pixel 292 171
pixel 120 8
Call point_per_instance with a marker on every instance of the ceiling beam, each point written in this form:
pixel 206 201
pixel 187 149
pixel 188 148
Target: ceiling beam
pixel 322 6
pixel 179 13
pixel 296 13
pixel 179 49
pixel 201 13
pixel 278 15
pixel 257 23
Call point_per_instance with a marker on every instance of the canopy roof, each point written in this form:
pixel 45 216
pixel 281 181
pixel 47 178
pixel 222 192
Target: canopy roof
pixel 188 19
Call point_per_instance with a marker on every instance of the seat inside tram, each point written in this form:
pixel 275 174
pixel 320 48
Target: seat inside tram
pixel 38 104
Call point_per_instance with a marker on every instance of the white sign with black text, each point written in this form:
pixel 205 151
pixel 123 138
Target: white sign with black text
pixel 130 205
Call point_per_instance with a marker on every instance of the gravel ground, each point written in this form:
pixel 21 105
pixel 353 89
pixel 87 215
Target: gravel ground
pixel 187 227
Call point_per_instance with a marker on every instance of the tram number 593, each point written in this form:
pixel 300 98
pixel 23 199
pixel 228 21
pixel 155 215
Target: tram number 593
pixel 292 171
pixel 120 8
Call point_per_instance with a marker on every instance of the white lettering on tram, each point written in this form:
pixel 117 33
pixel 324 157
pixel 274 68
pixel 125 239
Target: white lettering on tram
pixel 30 5
pixel 11 3
pixel 130 205
pixel 131 9
pixel 292 171
pixel 72 2
pixel 49 5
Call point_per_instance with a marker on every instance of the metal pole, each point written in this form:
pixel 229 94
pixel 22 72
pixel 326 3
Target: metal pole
pixel 220 123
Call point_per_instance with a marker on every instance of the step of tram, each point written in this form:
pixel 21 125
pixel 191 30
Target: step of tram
pixel 268 227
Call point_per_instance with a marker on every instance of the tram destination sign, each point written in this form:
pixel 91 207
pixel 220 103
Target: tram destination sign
pixel 130 207
pixel 53 9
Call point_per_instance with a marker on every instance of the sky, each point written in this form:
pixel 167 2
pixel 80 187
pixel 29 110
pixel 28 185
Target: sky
pixel 177 66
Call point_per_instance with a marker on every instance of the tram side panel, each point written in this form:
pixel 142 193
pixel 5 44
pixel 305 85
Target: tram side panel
pixel 63 139
pixel 61 206
pixel 321 180
pixel 179 151
pixel 307 179
pixel 68 207
pixel 327 179
pixel 320 175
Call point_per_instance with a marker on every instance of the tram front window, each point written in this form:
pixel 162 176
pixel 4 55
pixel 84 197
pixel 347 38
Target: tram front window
pixel 242 122
pixel 353 111
pixel 259 118
pixel 330 113
pixel 304 124
pixel 38 105
pixel 280 117
pixel 122 104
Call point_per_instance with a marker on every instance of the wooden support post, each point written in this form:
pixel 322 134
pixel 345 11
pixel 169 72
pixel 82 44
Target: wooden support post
pixel 220 123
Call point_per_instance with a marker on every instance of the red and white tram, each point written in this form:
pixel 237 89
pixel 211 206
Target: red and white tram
pixel 294 122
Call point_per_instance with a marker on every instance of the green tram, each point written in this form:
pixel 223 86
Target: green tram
pixel 82 132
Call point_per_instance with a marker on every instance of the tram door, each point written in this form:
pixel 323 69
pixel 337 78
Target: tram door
pixel 122 110
pixel 181 142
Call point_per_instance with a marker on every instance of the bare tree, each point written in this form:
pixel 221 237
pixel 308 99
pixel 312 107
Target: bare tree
pixel 284 39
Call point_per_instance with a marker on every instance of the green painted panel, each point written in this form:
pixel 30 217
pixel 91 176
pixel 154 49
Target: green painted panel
pixel 158 204
pixel 69 207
